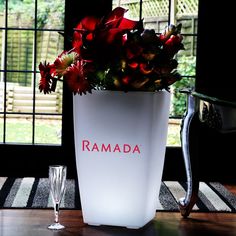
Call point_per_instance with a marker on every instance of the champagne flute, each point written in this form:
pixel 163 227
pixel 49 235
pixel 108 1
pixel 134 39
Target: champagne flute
pixel 57 179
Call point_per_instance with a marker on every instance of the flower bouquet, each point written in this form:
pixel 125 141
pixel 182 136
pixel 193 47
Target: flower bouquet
pixel 120 138
pixel 115 53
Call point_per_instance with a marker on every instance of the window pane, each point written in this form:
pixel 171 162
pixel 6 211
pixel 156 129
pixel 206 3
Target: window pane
pixel 153 8
pixel 2 89
pixel 190 45
pixel 156 23
pixel 19 98
pixel 1 107
pixel 173 138
pixel 18 79
pixel 2 13
pixel 2 49
pixel 49 103
pixel 187 65
pixel 187 13
pixel 155 14
pixel 49 45
pixel 20 50
pixel 48 129
pixel 189 24
pixel 21 14
pixel 187 57
pixel 50 14
pixel 19 128
pixel 179 99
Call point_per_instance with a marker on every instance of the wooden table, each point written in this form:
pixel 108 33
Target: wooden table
pixel 19 222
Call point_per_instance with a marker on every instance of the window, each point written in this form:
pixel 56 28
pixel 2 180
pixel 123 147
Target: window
pixel 29 121
pixel 29 33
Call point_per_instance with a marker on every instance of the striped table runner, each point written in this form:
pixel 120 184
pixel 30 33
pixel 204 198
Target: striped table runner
pixel 34 193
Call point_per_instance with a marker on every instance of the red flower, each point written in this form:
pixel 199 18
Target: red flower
pixel 113 52
pixel 104 36
pixel 173 45
pixel 63 61
pixel 47 82
pixel 76 79
pixel 84 29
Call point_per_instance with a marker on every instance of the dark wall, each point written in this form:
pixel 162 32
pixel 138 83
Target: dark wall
pixel 216 49
pixel 215 76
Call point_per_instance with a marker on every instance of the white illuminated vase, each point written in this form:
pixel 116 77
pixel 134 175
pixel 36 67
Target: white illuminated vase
pixel 120 142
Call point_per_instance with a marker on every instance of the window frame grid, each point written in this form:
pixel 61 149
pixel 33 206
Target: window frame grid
pixel 34 73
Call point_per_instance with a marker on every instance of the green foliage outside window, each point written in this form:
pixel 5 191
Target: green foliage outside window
pixel 186 66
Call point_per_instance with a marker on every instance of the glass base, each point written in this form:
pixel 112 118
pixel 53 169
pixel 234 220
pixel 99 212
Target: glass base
pixel 56 226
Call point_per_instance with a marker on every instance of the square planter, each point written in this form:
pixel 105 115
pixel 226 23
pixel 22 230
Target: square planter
pixel 120 143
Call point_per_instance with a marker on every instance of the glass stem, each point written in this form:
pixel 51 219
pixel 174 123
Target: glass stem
pixel 56 210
